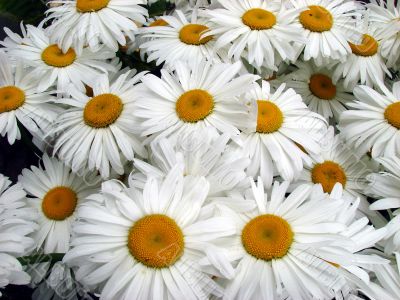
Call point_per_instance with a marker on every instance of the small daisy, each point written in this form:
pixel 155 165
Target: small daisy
pixel 16 223
pixel 373 122
pixel 100 132
pixel 191 97
pixel 258 30
pixel 80 23
pixel 279 124
pixel 319 91
pixel 328 26
pixel 20 102
pixel 56 193
pixel 152 239
pixel 50 65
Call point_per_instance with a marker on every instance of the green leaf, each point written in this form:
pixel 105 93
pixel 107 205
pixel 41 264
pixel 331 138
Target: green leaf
pixel 158 8
pixel 41 258
pixel 30 11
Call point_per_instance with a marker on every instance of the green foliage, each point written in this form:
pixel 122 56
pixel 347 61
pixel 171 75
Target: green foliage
pixel 29 11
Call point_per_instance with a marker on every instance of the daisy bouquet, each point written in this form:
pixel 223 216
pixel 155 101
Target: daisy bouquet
pixel 202 149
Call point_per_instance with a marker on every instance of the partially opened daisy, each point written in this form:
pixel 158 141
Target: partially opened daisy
pixel 53 66
pixel 319 91
pixel 81 23
pixel 16 223
pixel 21 103
pixel 193 96
pixel 56 193
pixel 373 122
pixel 100 132
pixel 328 27
pixel 280 133
pixel 146 244
pixel 260 31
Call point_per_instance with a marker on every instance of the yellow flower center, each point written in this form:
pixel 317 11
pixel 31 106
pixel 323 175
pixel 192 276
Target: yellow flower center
pixel 368 46
pixel 259 19
pixel 159 22
pixel 194 106
pixel 322 87
pixel 267 237
pixel 392 114
pixel 103 110
pixel 156 241
pixel 11 97
pixel 270 117
pixel 59 203
pixel 85 6
pixel 328 174
pixel 191 34
pixel 53 56
pixel 316 18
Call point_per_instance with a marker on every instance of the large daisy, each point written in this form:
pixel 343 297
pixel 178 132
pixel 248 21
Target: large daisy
pixel 192 96
pixel 258 30
pixel 81 23
pixel 134 244
pixel 100 131
pixel 20 102
pixel 373 122
pixel 280 133
pixel 51 65
pixel 56 193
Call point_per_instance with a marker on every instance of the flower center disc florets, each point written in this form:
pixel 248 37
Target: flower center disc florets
pixel 322 87
pixel 267 237
pixel 85 6
pixel 53 56
pixel 159 22
pixel 194 106
pixel 102 111
pixel 191 34
pixel 11 98
pixel 392 114
pixel 259 19
pixel 156 241
pixel 270 117
pixel 368 47
pixel 328 174
pixel 59 203
pixel 316 18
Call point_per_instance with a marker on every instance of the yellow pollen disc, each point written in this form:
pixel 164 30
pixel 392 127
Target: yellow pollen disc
pixel 316 18
pixel 59 203
pixel 392 114
pixel 368 47
pixel 11 98
pixel 85 6
pixel 328 174
pixel 190 34
pixel 159 22
pixel 270 117
pixel 53 56
pixel 194 106
pixel 156 241
pixel 259 19
pixel 267 237
pixel 103 110
pixel 322 87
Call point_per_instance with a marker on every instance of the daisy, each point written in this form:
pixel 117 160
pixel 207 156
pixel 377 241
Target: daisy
pixel 51 65
pixel 55 193
pixel 319 90
pixel 20 102
pixel 152 239
pixel 79 23
pixel 260 31
pixel 100 132
pixel 192 96
pixel 16 223
pixel 365 64
pixel 328 27
pixel 279 124
pixel 373 122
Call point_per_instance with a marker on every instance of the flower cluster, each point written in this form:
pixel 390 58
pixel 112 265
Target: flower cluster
pixel 257 156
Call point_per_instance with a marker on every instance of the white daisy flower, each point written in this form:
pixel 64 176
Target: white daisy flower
pixel 100 132
pixel 51 66
pixel 80 23
pixel 20 102
pixel 56 193
pixel 153 239
pixel 279 124
pixel 260 31
pixel 365 65
pixel 191 97
pixel 16 223
pixel 319 91
pixel 328 25
pixel 373 121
